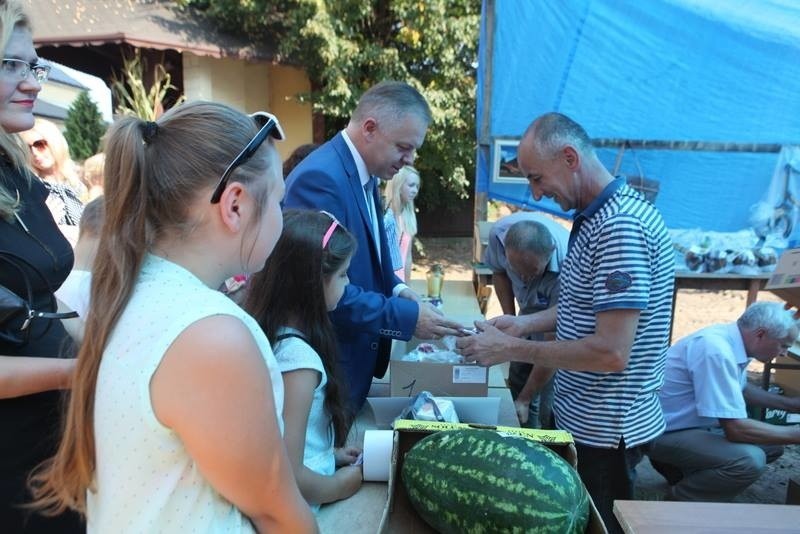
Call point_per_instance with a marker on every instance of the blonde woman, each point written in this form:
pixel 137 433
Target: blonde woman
pixel 400 219
pixel 31 372
pixel 174 421
pixel 51 162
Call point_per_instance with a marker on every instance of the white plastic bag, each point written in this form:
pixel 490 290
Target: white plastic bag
pixel 426 407
pixel 427 352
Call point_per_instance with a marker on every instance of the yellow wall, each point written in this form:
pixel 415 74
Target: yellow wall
pixel 284 83
pixel 252 87
pixel 59 94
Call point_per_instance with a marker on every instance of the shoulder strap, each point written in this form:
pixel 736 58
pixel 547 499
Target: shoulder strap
pixel 290 334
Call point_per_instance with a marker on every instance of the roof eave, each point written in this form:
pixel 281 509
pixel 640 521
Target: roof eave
pixel 247 53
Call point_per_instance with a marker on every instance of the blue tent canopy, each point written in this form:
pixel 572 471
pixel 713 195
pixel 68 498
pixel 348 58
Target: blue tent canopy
pixel 672 70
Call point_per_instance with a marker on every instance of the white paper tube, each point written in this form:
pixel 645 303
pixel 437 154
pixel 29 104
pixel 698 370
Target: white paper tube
pixel 377 454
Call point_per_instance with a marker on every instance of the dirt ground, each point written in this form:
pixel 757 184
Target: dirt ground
pixel 694 310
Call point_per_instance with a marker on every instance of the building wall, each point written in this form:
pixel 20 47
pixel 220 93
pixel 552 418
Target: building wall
pixel 252 87
pixel 59 94
pixel 296 120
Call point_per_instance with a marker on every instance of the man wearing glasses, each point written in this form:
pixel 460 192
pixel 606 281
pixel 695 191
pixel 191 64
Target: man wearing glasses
pixel 386 129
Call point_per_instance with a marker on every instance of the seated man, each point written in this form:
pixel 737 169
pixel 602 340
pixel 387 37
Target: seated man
pixel 711 451
pixel 525 252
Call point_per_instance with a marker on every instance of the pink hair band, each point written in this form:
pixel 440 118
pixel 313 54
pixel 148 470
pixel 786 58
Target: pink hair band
pixel 329 233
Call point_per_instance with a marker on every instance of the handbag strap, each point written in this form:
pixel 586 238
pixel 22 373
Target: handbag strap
pixel 13 260
pixel 17 262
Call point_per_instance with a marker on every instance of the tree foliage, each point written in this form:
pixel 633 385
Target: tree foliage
pixel 84 127
pixel 346 46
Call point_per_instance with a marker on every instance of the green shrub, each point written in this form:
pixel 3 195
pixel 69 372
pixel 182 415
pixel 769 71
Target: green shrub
pixel 84 127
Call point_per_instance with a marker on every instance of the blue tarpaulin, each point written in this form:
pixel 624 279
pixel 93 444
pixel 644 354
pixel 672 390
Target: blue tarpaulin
pixel 673 70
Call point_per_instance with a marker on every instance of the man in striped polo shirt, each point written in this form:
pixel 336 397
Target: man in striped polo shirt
pixel 613 312
pixel 525 252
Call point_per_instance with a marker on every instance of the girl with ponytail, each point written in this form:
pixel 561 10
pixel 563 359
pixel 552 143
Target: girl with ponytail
pixel 174 419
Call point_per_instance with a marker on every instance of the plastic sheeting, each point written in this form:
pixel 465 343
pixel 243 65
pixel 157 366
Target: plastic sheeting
pixel 672 70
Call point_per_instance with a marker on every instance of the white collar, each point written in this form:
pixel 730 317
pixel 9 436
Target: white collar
pixel 363 173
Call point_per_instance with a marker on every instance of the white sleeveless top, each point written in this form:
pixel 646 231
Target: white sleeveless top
pixel 145 480
pixel 292 354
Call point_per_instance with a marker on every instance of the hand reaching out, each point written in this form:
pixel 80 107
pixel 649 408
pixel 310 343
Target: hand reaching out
pixel 508 324
pixel 431 324
pixel 489 347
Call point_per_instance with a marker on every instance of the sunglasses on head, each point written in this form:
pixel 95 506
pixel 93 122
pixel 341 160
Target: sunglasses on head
pixel 268 127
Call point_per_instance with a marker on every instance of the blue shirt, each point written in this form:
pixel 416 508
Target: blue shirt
pixel 704 379
pixel 620 257
pixel 541 293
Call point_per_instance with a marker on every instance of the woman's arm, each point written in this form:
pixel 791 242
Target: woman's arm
pixel 299 388
pixel 214 390
pixel 21 375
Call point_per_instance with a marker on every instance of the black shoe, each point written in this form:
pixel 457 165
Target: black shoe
pixel 672 473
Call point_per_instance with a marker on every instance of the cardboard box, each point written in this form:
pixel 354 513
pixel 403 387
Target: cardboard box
pixel 399 515
pixel 785 280
pixel 440 379
pixel 478 410
pixel 408 378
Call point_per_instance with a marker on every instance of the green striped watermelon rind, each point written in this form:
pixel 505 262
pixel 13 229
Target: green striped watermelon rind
pixel 518 495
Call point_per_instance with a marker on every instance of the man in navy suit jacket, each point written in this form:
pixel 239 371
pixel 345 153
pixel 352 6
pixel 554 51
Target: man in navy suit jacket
pixel 383 135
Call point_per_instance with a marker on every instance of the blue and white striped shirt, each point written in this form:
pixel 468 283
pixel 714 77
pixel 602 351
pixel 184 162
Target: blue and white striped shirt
pixel 620 257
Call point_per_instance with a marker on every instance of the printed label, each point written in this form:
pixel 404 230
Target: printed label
pixel 469 374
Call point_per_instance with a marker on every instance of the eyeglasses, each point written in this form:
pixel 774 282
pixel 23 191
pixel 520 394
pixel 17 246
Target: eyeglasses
pixel 17 68
pixel 334 223
pixel 269 127
pixel 40 144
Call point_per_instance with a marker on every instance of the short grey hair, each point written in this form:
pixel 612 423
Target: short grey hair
pixel 390 101
pixel 553 131
pixel 530 236
pixel 777 321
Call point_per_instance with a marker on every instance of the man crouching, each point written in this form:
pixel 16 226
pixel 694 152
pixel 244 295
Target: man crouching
pixel 711 451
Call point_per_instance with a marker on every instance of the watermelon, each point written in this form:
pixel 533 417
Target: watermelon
pixel 481 481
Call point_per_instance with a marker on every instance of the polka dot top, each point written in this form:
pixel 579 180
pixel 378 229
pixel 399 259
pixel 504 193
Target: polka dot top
pixel 145 481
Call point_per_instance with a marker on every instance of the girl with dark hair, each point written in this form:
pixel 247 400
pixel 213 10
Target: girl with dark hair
pixel 303 280
pixel 174 418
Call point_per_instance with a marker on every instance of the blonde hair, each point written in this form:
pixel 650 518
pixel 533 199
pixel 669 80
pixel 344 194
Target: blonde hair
pixel 93 174
pixel 403 212
pixel 12 16
pixel 156 173
pixel 64 169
